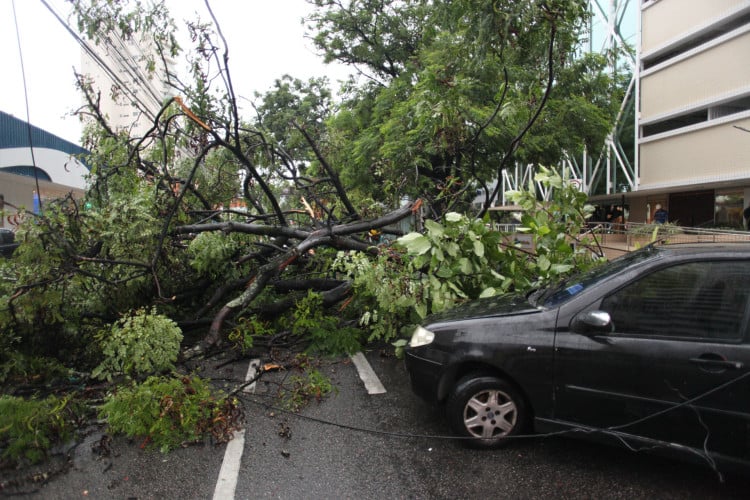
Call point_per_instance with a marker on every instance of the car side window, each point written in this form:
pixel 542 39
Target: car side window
pixel 692 300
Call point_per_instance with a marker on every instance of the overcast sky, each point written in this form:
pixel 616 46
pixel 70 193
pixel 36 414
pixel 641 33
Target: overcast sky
pixel 266 40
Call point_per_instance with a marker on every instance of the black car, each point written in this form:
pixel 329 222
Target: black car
pixel 651 350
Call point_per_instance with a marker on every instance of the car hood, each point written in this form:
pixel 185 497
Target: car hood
pixel 504 305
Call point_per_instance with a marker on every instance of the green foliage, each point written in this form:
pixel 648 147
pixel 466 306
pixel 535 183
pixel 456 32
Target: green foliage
pixel 309 319
pixel 400 347
pixel 384 292
pixel 29 428
pixel 17 368
pixel 247 329
pixel 75 265
pixel 97 18
pixel 169 411
pixel 454 86
pixel 139 344
pixel 304 388
pixel 211 254
pixel 655 232
pixel 449 263
pixel 555 226
pixel 460 259
pixel 457 260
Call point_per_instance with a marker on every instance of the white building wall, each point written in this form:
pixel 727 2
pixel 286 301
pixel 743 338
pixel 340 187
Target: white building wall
pixel 715 73
pixel 664 23
pixel 715 153
pixel 62 168
pixel 131 95
pixel 694 96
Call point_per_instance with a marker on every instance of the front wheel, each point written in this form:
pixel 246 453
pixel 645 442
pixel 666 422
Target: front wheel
pixel 488 408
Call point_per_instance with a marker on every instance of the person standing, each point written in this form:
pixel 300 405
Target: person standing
pixel 661 216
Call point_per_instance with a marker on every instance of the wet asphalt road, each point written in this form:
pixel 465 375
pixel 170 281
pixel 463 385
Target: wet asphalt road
pixel 321 460
pixel 355 445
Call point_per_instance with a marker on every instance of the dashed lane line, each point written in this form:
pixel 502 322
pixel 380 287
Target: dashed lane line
pixel 367 374
pixel 230 466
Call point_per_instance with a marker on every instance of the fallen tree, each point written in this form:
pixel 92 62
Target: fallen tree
pixel 339 237
pixel 203 210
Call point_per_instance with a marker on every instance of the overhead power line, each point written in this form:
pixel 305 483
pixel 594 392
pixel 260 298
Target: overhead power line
pixel 28 114
pixel 126 61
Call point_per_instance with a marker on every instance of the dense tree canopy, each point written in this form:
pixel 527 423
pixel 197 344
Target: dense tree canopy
pixel 454 92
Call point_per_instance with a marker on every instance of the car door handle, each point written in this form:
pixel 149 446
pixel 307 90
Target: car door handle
pixel 717 363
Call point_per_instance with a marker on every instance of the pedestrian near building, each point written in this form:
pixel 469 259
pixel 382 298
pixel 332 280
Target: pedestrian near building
pixel 661 216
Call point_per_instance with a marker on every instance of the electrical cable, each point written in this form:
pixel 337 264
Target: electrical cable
pixel 138 103
pixel 28 114
pixel 129 65
pixel 612 431
pixel 111 73
pixel 125 60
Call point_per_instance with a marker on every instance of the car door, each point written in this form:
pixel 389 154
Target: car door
pixel 673 363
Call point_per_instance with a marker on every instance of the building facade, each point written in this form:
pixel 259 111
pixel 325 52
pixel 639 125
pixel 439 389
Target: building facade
pixel 131 79
pixel 35 166
pixel 693 112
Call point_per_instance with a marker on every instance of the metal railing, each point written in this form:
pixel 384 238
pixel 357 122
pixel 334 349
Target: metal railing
pixel 616 239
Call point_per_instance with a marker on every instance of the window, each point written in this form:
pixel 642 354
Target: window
pixel 575 284
pixel 693 300
pixel 728 209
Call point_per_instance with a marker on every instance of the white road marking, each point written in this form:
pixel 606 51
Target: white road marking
pixel 366 373
pixel 230 467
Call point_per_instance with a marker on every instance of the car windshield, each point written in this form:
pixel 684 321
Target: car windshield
pixel 575 284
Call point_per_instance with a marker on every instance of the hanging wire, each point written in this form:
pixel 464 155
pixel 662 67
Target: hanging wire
pixel 26 101
pixel 111 73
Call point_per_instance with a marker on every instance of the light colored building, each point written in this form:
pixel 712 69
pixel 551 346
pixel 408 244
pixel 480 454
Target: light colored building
pixel 131 95
pixel 693 89
pixel 35 165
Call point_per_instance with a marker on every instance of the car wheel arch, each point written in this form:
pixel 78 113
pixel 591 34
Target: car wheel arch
pixel 474 369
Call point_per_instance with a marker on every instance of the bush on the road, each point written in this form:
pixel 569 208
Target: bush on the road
pixel 140 343
pixel 169 411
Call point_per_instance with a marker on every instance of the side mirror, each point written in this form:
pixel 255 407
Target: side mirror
pixel 592 322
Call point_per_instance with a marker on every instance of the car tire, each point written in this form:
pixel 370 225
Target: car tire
pixel 487 409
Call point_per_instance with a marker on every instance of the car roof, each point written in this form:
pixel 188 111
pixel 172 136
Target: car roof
pixel 728 248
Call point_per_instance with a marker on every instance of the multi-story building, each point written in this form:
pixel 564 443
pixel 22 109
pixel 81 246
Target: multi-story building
pixel 131 94
pixel 693 90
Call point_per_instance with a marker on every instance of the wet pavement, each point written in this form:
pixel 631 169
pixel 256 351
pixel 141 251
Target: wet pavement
pixel 354 444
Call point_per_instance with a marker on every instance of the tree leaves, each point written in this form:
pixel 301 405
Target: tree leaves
pixel 454 84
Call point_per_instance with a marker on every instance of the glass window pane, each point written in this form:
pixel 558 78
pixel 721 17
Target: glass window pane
pixel 699 300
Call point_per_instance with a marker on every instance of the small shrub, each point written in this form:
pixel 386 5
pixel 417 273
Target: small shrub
pixel 139 344
pixel 169 411
pixel 304 388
